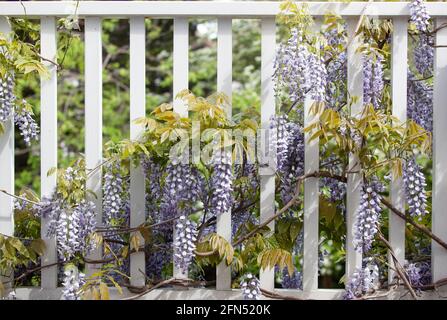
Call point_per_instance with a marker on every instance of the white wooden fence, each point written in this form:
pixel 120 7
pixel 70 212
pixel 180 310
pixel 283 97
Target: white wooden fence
pixel 180 11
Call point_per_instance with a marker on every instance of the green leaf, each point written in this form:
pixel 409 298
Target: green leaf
pixel 38 245
pixel 104 291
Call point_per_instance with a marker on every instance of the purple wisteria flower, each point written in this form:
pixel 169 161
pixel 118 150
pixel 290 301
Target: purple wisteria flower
pixel 292 282
pixel 419 15
pixel 221 183
pixel 113 201
pixel 7 97
pixel 250 287
pixel 73 229
pixel 415 193
pixel 367 216
pixel 28 127
pixel 420 102
pixel 336 68
pixel 72 283
pixel 183 186
pixel 424 55
pixel 299 70
pixel 184 243
pixel 373 80
pixel 362 281
pixel 418 273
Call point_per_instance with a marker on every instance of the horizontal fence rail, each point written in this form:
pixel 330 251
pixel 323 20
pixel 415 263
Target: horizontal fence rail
pixel 136 11
pixel 252 9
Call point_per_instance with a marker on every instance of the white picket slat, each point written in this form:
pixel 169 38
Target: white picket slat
pixel 48 143
pixel 224 83
pixel 439 216
pixel 355 89
pixel 399 92
pixel 137 110
pixel 180 72
pixel 311 205
pixel 7 168
pixel 93 118
pixel 268 43
pixel 7 164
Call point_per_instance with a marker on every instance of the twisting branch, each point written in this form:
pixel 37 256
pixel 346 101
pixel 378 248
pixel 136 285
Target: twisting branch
pixel 398 267
pixel 17 197
pixel 421 228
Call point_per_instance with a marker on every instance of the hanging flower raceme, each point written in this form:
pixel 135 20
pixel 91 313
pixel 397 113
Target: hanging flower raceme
pixel 361 282
pixel 415 193
pixel 420 102
pixel 299 70
pixel 373 80
pixel 419 15
pixel 7 97
pixel 316 78
pixel 424 55
pixel 113 188
pixel 28 127
pixel 183 186
pixel 73 228
pixel 250 287
pixel 153 173
pixel 72 283
pixel 287 140
pixel 184 243
pixel 336 68
pixel 22 116
pixel 294 281
pixel 280 139
pixel 221 182
pixel 367 216
pixel 418 273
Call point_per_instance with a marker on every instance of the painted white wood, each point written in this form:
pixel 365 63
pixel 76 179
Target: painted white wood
pixel 399 95
pixel 247 9
pixel 224 82
pixel 439 216
pixel 181 69
pixel 93 118
pixel 6 170
pixel 6 164
pixel 48 140
pixel 181 63
pixel 311 197
pixel 355 89
pixel 137 110
pixel 268 45
pixel 235 294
